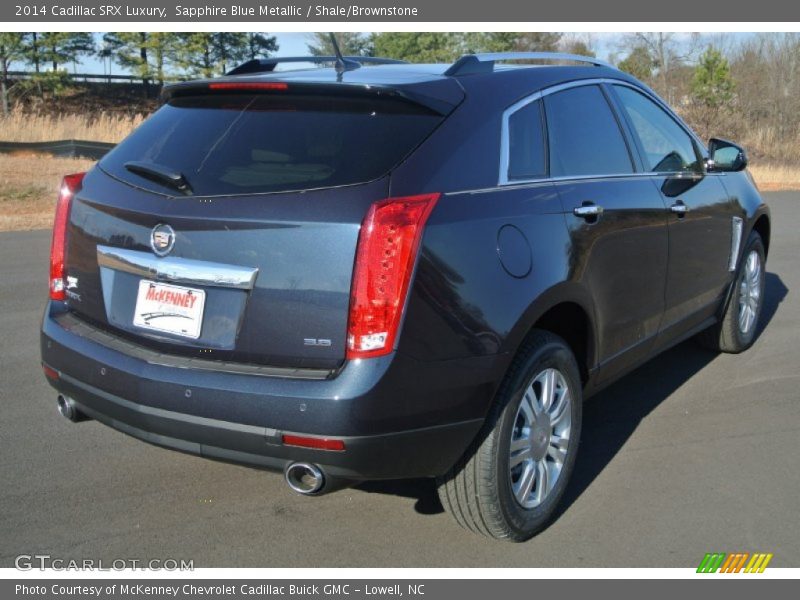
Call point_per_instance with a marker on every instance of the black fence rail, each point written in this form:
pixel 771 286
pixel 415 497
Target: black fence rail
pixel 82 76
pixel 61 148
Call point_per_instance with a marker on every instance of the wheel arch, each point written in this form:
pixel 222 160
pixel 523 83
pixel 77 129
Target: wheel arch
pixel 762 226
pixel 567 311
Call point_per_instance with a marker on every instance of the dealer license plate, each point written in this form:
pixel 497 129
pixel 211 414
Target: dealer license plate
pixel 169 308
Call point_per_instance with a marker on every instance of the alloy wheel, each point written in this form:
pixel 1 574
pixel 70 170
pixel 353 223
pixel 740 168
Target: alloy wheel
pixel 540 438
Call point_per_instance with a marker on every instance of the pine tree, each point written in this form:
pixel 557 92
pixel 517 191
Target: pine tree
pixel 260 45
pixel 350 43
pixel 712 84
pixel 144 54
pixel 33 50
pixel 418 47
pixel 209 54
pixel 712 90
pixel 61 47
pixel 12 48
pixel 511 41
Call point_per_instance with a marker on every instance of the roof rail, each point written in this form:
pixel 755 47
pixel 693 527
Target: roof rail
pixel 470 64
pixel 262 65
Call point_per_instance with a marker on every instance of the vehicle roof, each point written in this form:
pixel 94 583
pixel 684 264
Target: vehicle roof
pixel 507 82
pixel 428 82
pixel 411 73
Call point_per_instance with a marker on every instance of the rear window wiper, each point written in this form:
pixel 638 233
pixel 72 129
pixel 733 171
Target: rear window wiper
pixel 160 174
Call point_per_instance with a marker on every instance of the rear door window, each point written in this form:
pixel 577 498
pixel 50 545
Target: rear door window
pixel 584 136
pixel 244 144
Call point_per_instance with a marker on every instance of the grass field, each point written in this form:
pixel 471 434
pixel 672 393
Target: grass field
pixel 28 182
pixel 28 188
pixel 776 178
pixel 95 127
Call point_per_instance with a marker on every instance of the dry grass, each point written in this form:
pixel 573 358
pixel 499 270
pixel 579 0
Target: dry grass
pixel 774 178
pixel 29 186
pixel 100 127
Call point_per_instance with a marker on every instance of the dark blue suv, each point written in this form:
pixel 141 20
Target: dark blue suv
pixel 397 271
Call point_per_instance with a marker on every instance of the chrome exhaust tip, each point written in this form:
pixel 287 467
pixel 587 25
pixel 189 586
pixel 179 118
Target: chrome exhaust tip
pixel 69 410
pixel 304 478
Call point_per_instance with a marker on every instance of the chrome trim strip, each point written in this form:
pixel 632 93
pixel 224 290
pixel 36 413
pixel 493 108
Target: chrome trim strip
pixel 737 228
pixel 523 184
pixel 176 269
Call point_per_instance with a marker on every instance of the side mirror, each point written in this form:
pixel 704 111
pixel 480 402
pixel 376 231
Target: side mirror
pixel 725 156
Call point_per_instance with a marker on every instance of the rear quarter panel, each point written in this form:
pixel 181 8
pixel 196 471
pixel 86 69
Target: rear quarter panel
pixel 463 302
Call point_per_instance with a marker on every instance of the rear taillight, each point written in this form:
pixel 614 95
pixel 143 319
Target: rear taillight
pixel 387 251
pixel 70 186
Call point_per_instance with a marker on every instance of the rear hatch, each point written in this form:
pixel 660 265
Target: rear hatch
pixel 226 226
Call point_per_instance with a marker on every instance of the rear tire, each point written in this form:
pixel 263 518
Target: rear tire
pixel 508 485
pixel 737 329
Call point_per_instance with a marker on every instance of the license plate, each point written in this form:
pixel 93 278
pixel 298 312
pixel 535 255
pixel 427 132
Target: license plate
pixel 169 308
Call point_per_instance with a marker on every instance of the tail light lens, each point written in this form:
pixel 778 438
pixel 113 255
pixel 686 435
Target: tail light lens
pixel 70 186
pixel 50 372
pixel 316 443
pixel 385 258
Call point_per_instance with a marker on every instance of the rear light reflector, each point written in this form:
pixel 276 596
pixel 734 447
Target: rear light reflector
pixel 248 85
pixel 313 442
pixel 70 185
pixel 387 252
pixel 50 372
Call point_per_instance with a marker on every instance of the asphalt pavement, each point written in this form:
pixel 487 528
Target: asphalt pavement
pixel 694 452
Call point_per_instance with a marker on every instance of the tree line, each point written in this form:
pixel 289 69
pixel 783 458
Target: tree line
pixel 746 88
pixel 154 57
pixel 743 87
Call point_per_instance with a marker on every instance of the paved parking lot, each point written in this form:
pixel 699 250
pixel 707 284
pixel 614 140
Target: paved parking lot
pixel 694 452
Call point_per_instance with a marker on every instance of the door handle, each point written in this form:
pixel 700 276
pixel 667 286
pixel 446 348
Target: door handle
pixel 588 210
pixel 679 208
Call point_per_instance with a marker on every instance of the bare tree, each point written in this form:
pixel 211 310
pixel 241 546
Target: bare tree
pixel 669 52
pixel 766 69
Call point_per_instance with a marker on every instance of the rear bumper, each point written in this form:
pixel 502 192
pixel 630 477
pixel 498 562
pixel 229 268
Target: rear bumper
pixel 398 417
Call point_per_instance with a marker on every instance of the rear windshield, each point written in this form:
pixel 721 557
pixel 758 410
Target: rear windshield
pixel 247 144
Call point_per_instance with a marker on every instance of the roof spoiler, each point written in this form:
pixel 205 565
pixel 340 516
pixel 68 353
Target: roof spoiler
pixel 435 96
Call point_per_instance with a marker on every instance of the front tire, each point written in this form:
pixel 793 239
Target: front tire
pixel 737 329
pixel 508 485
